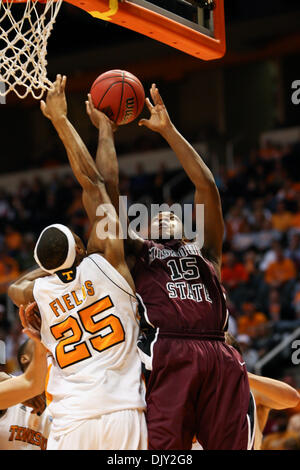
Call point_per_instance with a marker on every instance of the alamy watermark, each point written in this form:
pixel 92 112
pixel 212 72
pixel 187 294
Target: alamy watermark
pixel 2 93
pixel 296 353
pixel 2 88
pixel 2 353
pixel 296 94
pixel 159 221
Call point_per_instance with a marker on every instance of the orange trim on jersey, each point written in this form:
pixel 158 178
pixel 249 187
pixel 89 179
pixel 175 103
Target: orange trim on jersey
pixel 49 397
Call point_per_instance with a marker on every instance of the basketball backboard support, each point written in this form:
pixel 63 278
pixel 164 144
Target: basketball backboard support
pixel 181 24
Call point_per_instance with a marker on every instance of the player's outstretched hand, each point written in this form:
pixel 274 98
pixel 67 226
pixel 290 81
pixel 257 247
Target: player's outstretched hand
pixel 159 120
pixel 55 106
pixel 31 322
pixel 98 118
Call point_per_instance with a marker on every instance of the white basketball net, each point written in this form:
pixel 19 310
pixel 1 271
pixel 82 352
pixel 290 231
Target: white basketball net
pixel 23 46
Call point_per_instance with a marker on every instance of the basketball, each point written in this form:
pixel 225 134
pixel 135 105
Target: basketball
pixel 118 94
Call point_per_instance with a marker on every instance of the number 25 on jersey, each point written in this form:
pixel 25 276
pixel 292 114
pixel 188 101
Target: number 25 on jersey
pixel 100 342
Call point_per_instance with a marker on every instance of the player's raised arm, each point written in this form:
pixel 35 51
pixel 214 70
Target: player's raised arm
pixel 32 382
pixel 272 393
pixel 21 291
pixel 95 198
pixel 206 189
pixel 107 164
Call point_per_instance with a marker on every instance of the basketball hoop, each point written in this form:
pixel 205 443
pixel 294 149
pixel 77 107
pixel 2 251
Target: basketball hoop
pixel 23 45
pixel 24 38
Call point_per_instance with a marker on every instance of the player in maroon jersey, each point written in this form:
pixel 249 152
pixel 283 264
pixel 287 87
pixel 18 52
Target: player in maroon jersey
pixel 196 385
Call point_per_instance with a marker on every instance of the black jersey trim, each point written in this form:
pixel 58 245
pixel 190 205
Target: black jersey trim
pixel 251 416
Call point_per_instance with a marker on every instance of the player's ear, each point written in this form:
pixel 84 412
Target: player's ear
pixel 24 359
pixel 80 250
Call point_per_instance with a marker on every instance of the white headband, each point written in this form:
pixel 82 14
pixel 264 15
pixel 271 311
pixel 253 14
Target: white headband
pixel 69 261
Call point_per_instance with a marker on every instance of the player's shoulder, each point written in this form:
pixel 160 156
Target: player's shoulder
pixel 108 272
pixel 4 376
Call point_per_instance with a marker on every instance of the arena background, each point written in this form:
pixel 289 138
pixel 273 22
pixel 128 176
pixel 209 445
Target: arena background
pixel 241 112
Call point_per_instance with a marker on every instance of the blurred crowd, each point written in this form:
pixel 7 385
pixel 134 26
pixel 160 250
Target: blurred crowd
pixel 261 203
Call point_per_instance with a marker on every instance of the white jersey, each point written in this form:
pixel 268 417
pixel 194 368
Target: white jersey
pixel 89 326
pixel 20 429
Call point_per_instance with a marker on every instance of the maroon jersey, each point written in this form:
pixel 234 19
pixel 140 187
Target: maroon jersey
pixel 179 288
pixel 196 384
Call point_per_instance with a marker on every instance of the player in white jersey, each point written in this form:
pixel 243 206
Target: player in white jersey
pixel 88 310
pixel 32 382
pixel 24 427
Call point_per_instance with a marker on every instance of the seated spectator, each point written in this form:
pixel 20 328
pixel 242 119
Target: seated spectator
pixel 264 237
pixel 295 222
pixel 281 219
pixel 250 319
pixel 258 208
pixel 249 354
pixel 233 272
pixel 293 250
pixel 25 255
pixel 139 183
pixel 290 380
pixel 288 192
pixel 9 271
pixel 281 270
pixel 292 443
pixel 270 256
pixel 276 440
pixel 13 239
pixel 274 305
pixel 4 323
pixel 294 423
pixel 244 239
pixel 234 221
pixel 296 303
pixel 269 151
pixel 250 260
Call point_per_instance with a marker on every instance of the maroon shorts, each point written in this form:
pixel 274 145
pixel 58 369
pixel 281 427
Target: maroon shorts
pixel 197 388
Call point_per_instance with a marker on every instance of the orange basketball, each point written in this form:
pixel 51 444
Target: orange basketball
pixel 118 94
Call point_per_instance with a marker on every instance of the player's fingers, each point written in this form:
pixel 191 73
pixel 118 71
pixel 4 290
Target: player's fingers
pixel 29 312
pixel 63 83
pixel 149 104
pixel 159 108
pixel 152 93
pixel 43 107
pixel 143 122
pixel 159 99
pixel 114 126
pixel 34 323
pixel 91 101
pixel 32 334
pixel 88 108
pixel 58 82
pixel 22 316
pixel 30 307
pixel 37 322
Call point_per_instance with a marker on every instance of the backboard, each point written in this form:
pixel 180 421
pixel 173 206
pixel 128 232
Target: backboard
pixel 196 27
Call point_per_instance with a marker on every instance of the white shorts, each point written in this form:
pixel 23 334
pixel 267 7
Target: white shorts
pixel 121 430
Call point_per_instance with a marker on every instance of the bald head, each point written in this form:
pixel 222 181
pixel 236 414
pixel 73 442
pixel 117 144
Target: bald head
pixel 25 354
